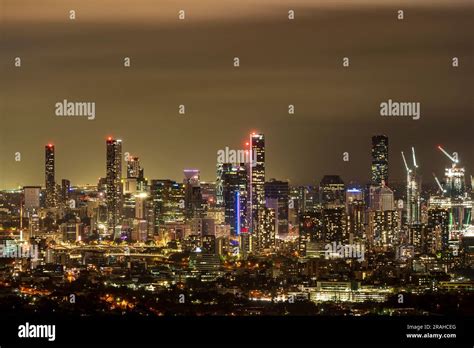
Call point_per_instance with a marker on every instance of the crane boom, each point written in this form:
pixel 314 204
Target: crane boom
pixel 454 160
pixel 414 158
pixel 439 184
pixel 405 161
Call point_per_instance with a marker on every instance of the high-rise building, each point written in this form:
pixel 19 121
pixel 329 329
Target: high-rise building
pixel 256 173
pixel 355 211
pixel 208 193
pixel 266 229
pixel 331 191
pixel 234 181
pixel 133 167
pixel 382 229
pixel 276 197
pixel 168 203
pixel 438 229
pixel 334 225
pixel 413 197
pixel 379 159
pixel 65 190
pixel 49 176
pixel 310 230
pixel 416 237
pixel 193 194
pixel 113 182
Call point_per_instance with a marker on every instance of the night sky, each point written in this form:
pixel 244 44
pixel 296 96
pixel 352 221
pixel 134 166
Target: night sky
pixel 190 62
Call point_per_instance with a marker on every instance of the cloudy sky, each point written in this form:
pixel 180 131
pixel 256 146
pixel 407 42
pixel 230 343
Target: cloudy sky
pixel 190 62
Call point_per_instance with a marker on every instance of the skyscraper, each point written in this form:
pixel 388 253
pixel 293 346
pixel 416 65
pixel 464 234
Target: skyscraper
pixel 310 230
pixel 413 205
pixel 50 183
pixel 266 230
pixel 193 195
pixel 133 167
pixel 276 197
pixel 331 191
pixel 113 182
pixel 438 229
pixel 234 179
pixel 355 211
pixel 256 172
pixel 379 159
pixel 168 203
pixel 65 188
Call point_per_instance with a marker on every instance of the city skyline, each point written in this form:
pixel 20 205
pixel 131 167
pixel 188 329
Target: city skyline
pixel 395 160
pixel 185 167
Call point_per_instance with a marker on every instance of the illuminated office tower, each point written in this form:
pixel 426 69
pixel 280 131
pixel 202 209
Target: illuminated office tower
pixel 33 225
pixel 416 237
pixel 310 230
pixel 266 229
pixel 355 212
pixel 331 191
pixel 334 225
pixel 379 159
pixel 413 198
pixel 276 197
pixel 49 176
pixel 193 195
pixel 65 189
pixel 246 242
pixel 168 203
pixel 234 181
pixel 438 229
pixel 256 173
pixel 113 182
pixel 133 167
pixel 305 198
pixel 136 173
pixel 382 228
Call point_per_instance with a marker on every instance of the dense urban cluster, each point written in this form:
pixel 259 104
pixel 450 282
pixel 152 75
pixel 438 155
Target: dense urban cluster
pixel 241 245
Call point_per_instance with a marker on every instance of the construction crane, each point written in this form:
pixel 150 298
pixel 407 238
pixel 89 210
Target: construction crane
pixel 439 184
pixel 414 158
pixel 405 161
pixel 454 160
